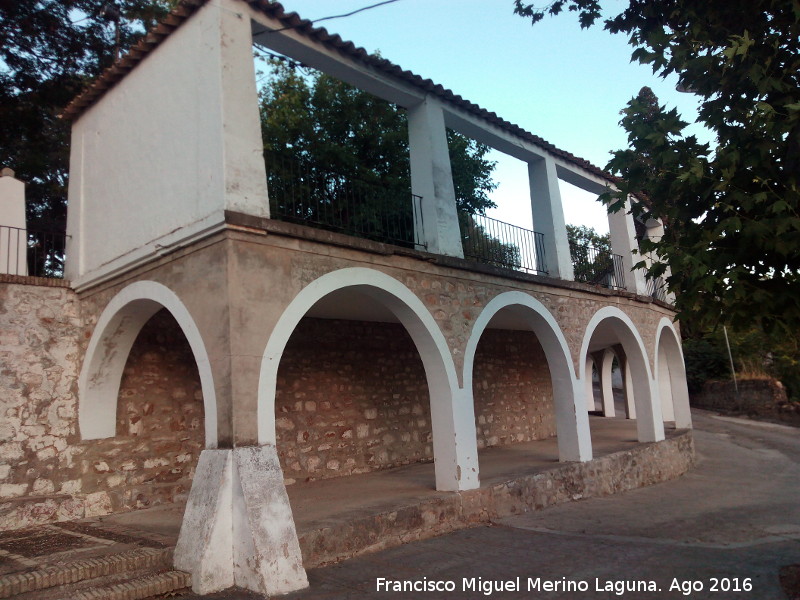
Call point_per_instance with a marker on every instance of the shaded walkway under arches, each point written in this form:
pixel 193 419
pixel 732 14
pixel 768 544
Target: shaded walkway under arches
pixel 454 446
pixel 607 328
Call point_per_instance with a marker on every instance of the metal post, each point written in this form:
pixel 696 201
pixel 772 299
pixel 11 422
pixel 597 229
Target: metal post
pixel 730 357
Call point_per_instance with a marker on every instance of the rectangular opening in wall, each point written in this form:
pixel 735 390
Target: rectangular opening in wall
pixel 336 156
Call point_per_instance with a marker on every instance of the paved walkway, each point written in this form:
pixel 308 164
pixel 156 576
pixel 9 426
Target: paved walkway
pixel 735 518
pixel 730 523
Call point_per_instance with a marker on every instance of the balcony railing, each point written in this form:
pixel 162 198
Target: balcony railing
pixel 31 252
pixel 304 194
pixel 494 242
pixel 597 266
pixel 657 289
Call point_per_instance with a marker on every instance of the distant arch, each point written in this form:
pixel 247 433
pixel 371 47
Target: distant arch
pixel 670 372
pixel 116 331
pixel 613 322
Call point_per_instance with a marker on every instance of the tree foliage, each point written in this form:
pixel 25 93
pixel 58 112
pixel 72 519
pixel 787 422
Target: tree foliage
pixel 732 236
pixel 318 119
pixel 49 50
pixel 345 152
pixel 592 259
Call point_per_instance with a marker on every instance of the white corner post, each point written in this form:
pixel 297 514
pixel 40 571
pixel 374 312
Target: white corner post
pixel 13 226
pixel 624 243
pixel 432 178
pixel 548 217
pixel 238 527
pixel 655 231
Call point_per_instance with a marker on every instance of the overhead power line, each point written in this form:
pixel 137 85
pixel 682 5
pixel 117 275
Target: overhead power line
pixel 349 14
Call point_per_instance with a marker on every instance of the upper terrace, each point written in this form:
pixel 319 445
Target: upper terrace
pixel 203 167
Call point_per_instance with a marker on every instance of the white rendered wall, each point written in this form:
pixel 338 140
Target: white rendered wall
pixel 13 232
pixel 168 149
pixel 623 242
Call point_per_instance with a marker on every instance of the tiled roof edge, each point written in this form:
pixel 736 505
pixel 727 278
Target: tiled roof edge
pixel 292 20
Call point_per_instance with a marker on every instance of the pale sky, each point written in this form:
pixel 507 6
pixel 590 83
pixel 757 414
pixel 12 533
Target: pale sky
pixel 553 79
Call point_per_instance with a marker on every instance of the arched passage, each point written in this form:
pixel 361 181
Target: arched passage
pixel 572 425
pixel 671 376
pixel 451 416
pixel 108 350
pixel 610 326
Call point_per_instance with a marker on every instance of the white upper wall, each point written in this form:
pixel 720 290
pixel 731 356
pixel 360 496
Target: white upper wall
pixel 160 157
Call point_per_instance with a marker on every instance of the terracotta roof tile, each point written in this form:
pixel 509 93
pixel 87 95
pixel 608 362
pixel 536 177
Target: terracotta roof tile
pixel 292 20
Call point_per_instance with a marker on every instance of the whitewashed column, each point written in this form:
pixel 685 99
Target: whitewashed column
pixel 589 385
pixel 604 361
pixel 432 178
pixel 624 243
pixel 548 217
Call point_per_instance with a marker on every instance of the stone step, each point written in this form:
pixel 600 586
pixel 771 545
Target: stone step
pixel 142 561
pixel 137 589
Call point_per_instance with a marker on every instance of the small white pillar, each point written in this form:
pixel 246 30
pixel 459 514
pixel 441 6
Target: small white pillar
pixel 13 226
pixel 238 527
pixel 623 242
pixel 548 217
pixel 627 386
pixel 605 360
pixel 432 178
pixel 455 444
pixel 589 385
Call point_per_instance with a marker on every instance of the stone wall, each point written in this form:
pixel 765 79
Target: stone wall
pixel 352 397
pixel 160 428
pixel 39 329
pixel 759 398
pixel 512 389
pixel 46 472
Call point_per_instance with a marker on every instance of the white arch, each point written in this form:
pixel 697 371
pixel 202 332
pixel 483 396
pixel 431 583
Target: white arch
pixel 111 342
pixel 455 450
pixel 649 425
pixel 572 422
pixel 671 374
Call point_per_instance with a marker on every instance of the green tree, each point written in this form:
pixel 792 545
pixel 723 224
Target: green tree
pixel 49 51
pixel 328 144
pixel 732 235
pixel 592 260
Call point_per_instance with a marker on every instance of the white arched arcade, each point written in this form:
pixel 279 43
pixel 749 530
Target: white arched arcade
pixel 610 326
pixel 454 445
pixel 572 424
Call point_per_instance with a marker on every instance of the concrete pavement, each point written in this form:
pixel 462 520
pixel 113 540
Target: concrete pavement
pixel 724 530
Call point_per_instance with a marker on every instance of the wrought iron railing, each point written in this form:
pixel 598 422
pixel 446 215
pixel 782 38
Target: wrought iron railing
pixel 657 289
pixel 31 252
pixel 494 242
pixel 302 193
pixel 597 266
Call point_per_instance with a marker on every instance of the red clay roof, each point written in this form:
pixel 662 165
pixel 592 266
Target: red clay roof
pixel 292 20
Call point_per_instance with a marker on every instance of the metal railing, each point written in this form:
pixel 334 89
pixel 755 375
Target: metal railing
pixel 657 289
pixel 31 252
pixel 304 194
pixel 494 242
pixel 597 266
